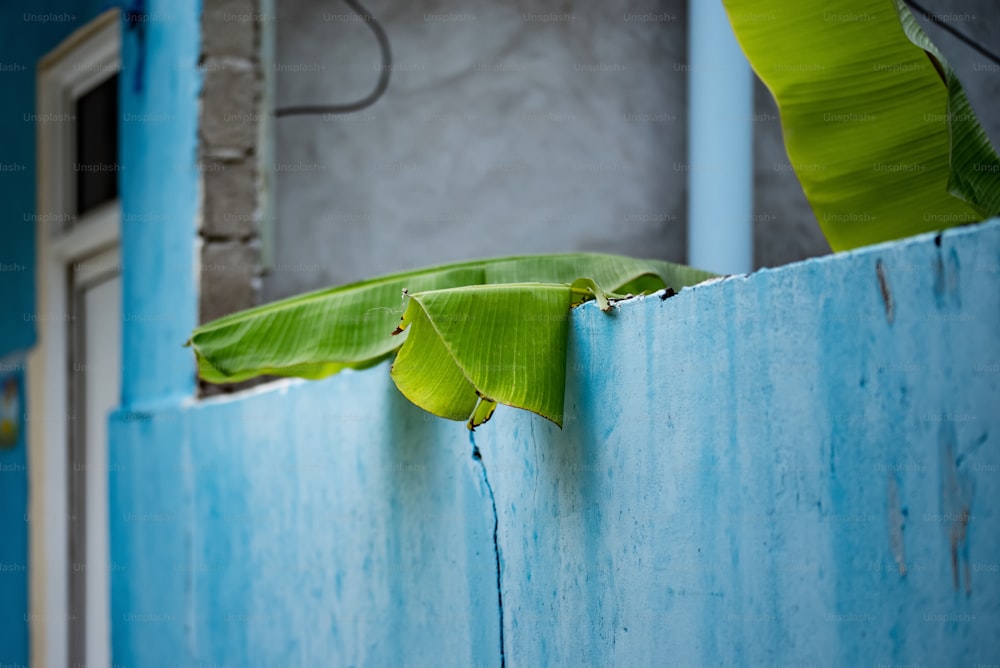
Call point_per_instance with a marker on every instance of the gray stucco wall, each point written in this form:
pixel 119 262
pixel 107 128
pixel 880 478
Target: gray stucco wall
pixel 515 128
pixel 501 132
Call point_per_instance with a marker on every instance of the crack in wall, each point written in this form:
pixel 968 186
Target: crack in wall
pixel 477 456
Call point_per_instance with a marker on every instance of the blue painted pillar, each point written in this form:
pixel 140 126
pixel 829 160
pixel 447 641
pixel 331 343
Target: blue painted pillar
pixel 159 194
pixel 720 135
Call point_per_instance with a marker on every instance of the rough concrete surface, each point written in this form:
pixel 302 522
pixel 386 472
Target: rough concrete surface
pixel 507 128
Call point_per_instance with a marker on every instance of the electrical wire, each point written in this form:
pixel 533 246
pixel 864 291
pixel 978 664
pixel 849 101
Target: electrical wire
pixel 380 85
pixel 386 68
pixel 937 20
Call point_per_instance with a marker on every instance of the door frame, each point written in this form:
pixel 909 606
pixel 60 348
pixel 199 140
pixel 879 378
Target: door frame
pixel 91 54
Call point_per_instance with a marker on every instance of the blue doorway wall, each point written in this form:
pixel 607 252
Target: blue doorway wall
pixel 28 31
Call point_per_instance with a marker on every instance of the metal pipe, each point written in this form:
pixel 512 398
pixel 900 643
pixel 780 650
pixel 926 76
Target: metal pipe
pixel 720 144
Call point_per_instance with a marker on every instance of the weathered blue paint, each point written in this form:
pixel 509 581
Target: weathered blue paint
pixel 27 33
pixel 285 528
pixel 760 472
pixel 160 201
pixel 151 585
pixel 743 471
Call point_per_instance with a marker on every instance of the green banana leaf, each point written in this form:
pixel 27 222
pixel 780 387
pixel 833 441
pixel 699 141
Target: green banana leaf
pixel 876 124
pixel 477 333
pixel 486 344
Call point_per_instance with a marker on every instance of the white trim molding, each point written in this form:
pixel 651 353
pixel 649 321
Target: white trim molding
pixel 88 56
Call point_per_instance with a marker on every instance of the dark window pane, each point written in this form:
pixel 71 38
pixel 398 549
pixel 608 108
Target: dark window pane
pixel 97 146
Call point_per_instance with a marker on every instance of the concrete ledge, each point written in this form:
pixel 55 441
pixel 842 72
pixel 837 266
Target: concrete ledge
pixel 795 467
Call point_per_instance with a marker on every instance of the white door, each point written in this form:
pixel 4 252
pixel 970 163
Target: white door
pixel 95 387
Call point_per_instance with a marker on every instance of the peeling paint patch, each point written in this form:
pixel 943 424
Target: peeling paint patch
pixel 667 294
pixel 946 275
pixel 960 550
pixel 883 285
pixel 957 488
pixel 897 524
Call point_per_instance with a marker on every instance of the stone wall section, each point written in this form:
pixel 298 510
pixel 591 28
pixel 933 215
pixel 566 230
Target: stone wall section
pixel 229 155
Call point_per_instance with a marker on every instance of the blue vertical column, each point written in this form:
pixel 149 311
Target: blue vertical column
pixel 720 136
pixel 149 501
pixel 159 195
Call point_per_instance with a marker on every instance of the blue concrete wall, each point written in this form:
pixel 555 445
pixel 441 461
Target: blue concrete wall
pixel 796 467
pixel 160 200
pixel 151 590
pixel 13 517
pixel 27 32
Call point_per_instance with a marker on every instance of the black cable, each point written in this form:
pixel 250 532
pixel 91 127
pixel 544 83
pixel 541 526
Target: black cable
pixel 937 20
pixel 380 86
pixel 383 81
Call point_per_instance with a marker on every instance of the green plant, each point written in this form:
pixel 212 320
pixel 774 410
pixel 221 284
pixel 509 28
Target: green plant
pixel 877 128
pixel 876 124
pixel 477 333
